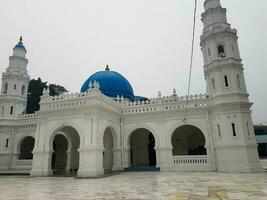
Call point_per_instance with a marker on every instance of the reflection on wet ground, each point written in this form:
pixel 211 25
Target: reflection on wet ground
pixel 137 186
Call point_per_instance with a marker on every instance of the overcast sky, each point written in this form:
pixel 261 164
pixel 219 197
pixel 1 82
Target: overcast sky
pixel 147 41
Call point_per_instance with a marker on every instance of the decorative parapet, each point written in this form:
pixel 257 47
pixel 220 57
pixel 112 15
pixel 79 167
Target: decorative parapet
pixel 77 100
pixel 166 104
pixel 27 119
pixel 120 105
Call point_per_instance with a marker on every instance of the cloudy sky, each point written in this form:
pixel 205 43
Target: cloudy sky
pixel 147 41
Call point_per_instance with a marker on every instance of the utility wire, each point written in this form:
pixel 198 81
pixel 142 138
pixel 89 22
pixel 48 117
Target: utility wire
pixel 191 61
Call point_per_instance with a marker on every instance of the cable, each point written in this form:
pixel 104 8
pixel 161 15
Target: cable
pixel 191 62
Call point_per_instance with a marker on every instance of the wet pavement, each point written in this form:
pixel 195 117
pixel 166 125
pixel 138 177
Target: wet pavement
pixel 138 186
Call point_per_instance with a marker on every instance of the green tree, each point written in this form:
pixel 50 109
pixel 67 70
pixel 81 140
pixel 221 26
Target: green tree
pixel 56 90
pixel 35 91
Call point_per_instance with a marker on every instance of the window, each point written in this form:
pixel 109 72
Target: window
pixel 238 81
pixel 213 83
pixel 248 129
pixel 226 83
pixel 3 110
pixel 5 88
pixel 23 88
pixel 234 131
pixel 7 141
pixel 221 51
pixel 219 130
pixel 15 87
pixel 209 51
pixel 11 110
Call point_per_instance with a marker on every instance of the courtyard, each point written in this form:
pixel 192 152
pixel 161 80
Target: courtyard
pixel 138 186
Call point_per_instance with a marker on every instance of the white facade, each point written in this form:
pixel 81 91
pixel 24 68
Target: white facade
pixel 92 133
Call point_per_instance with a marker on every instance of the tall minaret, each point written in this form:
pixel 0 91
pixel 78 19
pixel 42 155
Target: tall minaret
pixel 235 145
pixel 15 81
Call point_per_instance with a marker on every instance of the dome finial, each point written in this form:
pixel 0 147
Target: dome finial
pixel 107 68
pixel 20 40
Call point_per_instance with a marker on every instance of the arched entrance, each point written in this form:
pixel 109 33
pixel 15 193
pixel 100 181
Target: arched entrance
pixel 26 147
pixel 142 153
pixel 188 140
pixel 65 157
pixel 108 151
pixel 59 156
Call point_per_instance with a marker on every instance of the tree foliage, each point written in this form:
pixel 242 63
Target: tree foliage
pixel 35 91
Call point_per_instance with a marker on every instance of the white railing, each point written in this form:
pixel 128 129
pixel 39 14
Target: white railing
pixel 27 119
pixel 190 160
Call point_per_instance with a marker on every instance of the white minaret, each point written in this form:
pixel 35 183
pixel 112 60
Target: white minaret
pixel 235 145
pixel 13 98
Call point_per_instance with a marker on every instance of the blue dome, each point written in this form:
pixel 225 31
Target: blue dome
pixel 20 46
pixel 111 84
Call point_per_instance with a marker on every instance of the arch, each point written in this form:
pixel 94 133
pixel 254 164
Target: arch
pixel 188 140
pixel 25 147
pixel 23 89
pixel 64 159
pixel 200 125
pixel 221 51
pixel 5 88
pixel 55 128
pixel 59 155
pixel 114 131
pixel 108 143
pixel 131 129
pixel 142 148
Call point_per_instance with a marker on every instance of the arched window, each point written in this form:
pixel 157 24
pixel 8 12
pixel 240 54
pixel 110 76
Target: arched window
pixel 7 141
pixel 248 129
pixel 26 148
pixel 221 51
pixel 23 88
pixel 11 110
pixel 213 83
pixel 209 51
pixel 5 88
pixel 238 81
pixel 188 140
pixel 219 130
pixel 15 86
pixel 226 83
pixel 234 130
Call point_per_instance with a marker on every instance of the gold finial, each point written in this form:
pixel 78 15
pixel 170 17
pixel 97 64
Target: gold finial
pixel 20 39
pixel 107 68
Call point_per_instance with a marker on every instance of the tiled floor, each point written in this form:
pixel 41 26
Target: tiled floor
pixel 137 186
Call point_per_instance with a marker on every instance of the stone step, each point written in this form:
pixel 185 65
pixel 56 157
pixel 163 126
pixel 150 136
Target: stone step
pixel 142 169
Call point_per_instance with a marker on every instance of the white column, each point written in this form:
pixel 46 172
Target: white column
pixel 116 160
pixel 126 160
pixel 164 155
pixel 91 162
pixel 68 165
pixel 41 165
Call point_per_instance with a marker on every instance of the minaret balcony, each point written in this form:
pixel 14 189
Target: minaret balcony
pixel 225 61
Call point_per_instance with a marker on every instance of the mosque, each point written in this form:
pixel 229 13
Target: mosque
pixel 106 127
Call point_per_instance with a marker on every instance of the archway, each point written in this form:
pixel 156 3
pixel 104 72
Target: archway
pixel 142 143
pixel 188 140
pixel 108 151
pixel 59 156
pixel 65 157
pixel 26 147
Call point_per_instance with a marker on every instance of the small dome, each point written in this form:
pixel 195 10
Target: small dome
pixel 111 84
pixel 20 44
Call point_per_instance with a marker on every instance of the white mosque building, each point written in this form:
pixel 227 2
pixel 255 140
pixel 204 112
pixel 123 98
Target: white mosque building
pixel 106 128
